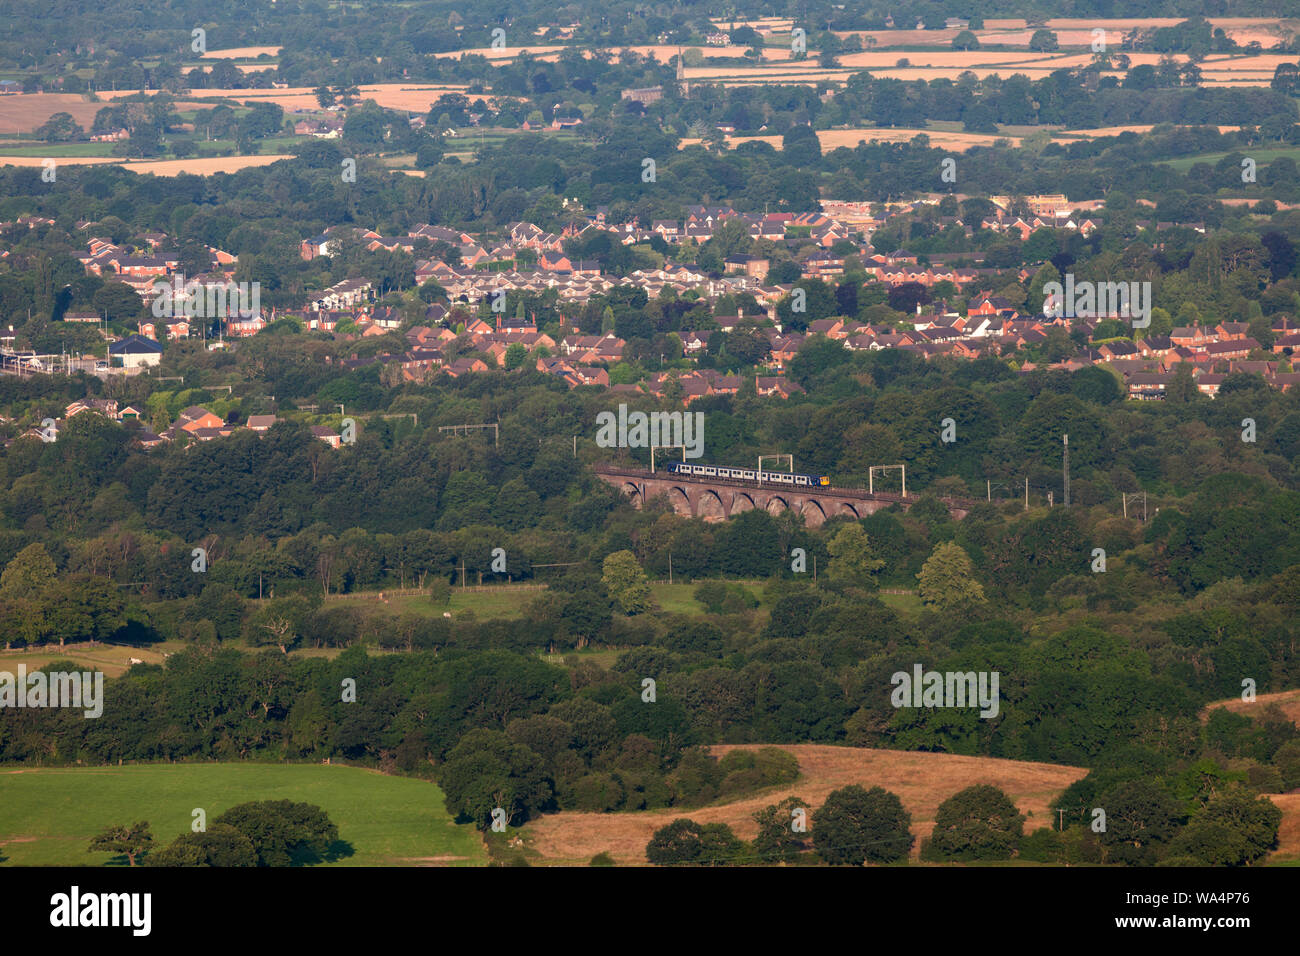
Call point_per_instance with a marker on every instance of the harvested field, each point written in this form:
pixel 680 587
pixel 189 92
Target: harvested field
pixel 204 167
pixel 941 59
pixel 835 138
pixel 397 96
pixel 921 780
pixel 243 67
pixel 241 53
pixel 1288 834
pixel 160 167
pixel 24 112
pixel 504 53
pixel 1100 131
pixel 763 25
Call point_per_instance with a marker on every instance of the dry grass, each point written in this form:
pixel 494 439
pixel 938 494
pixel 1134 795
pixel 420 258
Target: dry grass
pixel 1288 701
pixel 397 96
pixel 921 780
pixel 24 112
pixel 504 53
pixel 243 67
pixel 162 167
pixel 241 53
pixel 835 138
pixel 1288 833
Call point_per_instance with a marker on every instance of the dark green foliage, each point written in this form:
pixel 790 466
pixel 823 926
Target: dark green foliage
pixel 220 845
pixel 978 823
pixel 856 825
pixel 282 832
pixel 686 842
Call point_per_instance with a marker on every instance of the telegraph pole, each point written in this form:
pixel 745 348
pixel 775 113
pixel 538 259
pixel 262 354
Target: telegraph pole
pixel 1065 440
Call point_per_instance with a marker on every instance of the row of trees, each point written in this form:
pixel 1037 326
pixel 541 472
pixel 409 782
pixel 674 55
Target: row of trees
pixel 261 833
pixel 980 824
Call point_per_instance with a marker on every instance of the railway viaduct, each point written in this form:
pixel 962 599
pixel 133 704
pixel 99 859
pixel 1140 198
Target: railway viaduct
pixel 716 499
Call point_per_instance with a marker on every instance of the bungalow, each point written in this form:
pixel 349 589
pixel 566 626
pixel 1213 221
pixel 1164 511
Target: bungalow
pixel 136 351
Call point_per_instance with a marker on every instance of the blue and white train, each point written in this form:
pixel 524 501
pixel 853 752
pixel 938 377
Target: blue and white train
pixel 745 474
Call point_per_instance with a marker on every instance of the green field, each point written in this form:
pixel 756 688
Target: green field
pixel 55 150
pixel 112 659
pixel 48 816
pixel 1261 156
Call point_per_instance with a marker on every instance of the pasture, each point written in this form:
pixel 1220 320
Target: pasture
pixel 48 816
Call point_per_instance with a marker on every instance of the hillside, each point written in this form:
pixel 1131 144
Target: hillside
pixel 921 780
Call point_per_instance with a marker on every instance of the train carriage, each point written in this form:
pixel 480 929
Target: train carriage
pixel 746 474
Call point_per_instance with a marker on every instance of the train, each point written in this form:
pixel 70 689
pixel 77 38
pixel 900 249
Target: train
pixel 746 474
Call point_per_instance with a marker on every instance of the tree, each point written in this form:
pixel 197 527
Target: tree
pixel 59 128
pixel 516 356
pixel 1236 828
pixel 283 832
pixel 856 825
pixel 625 580
pixel 677 843
pixel 777 840
pixel 978 823
pixel 685 842
pixel 1043 41
pixel 800 147
pixel 946 582
pixel 719 846
pixel 965 41
pixel 1141 817
pixel 279 623
pixel 853 561
pixel 31 574
pixel 487 770
pixel 129 841
pixel 220 845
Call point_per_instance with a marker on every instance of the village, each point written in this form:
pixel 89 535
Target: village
pixel 476 273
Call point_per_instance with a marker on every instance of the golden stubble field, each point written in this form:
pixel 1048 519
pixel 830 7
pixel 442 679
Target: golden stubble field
pixel 397 96
pixel 162 167
pixel 921 780
pixel 241 53
pixel 24 112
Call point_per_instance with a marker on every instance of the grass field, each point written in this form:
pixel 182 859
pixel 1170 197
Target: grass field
pixel 1261 156
pixel 47 817
pixel 112 659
